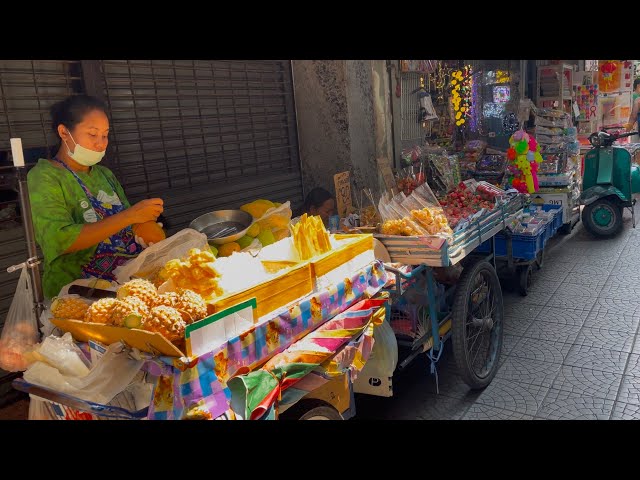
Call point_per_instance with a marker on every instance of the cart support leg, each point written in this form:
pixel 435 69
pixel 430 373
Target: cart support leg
pixel 433 309
pixel 29 233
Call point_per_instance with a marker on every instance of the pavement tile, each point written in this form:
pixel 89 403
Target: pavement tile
pixel 516 397
pixel 485 412
pixel 563 405
pixel 525 370
pixel 541 350
pixel 597 359
pixel 586 381
pixel 562 315
pixel 552 331
pixel 604 337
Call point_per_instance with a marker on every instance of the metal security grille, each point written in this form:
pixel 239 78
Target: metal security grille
pixel 27 89
pixel 412 130
pixel 203 134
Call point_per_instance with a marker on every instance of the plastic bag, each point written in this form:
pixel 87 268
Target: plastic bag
pixel 384 356
pixel 112 373
pixel 20 332
pixel 271 227
pixel 63 354
pixel 150 261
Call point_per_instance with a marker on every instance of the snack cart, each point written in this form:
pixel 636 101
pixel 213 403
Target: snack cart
pixel 290 345
pixel 466 306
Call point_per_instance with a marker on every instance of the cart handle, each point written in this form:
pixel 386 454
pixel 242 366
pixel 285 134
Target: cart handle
pixel 406 276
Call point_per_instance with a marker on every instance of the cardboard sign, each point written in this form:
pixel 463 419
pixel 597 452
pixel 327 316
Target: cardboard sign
pixel 342 183
pixel 205 335
pixel 387 175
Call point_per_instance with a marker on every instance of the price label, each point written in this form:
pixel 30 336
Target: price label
pixel 342 183
pixel 576 110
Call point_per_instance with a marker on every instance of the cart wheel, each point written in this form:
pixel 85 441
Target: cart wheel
pixel 524 274
pixel 602 218
pixel 540 259
pixel 311 410
pixel 477 324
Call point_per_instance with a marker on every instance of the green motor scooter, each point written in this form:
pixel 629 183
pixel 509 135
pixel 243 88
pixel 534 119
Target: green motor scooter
pixel 609 180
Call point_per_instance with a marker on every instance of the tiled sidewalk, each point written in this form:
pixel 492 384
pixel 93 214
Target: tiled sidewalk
pixel 571 347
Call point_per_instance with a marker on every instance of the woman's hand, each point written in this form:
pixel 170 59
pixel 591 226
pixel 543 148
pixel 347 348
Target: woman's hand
pixel 145 211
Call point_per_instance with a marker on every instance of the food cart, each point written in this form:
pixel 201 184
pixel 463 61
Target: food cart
pixel 466 307
pixel 287 340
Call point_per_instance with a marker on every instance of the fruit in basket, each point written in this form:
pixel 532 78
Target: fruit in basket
pixel 275 222
pixel 100 311
pixel 69 308
pixel 257 208
pixel 254 230
pixel 166 321
pixel 280 234
pixel 228 249
pixel 266 237
pixel 432 220
pixel 129 312
pixel 190 304
pixel 150 232
pixel 214 250
pixel 399 227
pixel 143 289
pixel 245 241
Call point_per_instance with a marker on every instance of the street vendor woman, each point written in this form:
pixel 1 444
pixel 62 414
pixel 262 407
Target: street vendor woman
pixel 318 202
pixel 81 216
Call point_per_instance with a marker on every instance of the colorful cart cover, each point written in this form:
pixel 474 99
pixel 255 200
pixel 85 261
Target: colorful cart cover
pixel 197 387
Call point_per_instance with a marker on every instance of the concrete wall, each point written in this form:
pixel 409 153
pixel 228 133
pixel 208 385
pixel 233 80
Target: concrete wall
pixel 344 120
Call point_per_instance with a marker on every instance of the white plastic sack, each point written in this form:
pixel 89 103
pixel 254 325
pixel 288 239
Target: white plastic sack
pixel 113 372
pixel 20 332
pixel 384 355
pixel 152 259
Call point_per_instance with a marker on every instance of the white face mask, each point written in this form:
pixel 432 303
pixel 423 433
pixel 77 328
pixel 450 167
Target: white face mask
pixel 83 155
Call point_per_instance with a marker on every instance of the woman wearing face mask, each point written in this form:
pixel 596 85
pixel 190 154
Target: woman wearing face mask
pixel 81 216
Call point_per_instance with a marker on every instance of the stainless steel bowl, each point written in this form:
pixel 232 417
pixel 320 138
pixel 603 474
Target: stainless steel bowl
pixel 212 224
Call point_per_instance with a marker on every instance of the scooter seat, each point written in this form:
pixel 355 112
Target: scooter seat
pixel 605 170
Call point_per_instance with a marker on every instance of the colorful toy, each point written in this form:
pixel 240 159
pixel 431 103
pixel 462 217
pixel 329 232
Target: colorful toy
pixel 524 156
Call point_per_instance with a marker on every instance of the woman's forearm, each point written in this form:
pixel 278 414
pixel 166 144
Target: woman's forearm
pixel 94 233
pixel 634 112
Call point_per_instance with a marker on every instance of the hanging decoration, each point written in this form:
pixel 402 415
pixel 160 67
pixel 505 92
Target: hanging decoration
pixel 524 158
pixel 607 70
pixel 461 91
pixel 475 117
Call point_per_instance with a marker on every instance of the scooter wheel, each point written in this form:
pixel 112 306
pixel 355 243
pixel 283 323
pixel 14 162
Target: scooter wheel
pixel 602 218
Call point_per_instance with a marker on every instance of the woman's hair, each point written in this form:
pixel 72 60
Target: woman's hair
pixel 636 82
pixel 316 198
pixel 72 110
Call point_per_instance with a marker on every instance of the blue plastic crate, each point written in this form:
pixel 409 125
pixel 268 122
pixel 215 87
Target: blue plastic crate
pixel 525 247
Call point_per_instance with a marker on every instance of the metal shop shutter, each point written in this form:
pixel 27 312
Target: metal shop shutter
pixel 203 135
pixel 27 89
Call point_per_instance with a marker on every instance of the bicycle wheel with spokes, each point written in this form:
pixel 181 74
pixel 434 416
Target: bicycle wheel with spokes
pixel 477 324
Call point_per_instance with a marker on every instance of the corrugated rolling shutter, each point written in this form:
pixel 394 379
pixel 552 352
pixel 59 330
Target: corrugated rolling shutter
pixel 203 135
pixel 27 89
